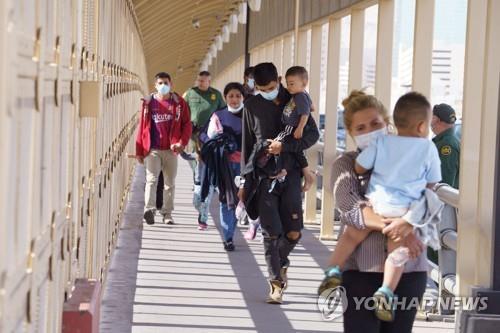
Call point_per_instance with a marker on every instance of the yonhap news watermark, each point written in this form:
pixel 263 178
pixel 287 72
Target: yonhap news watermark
pixel 332 303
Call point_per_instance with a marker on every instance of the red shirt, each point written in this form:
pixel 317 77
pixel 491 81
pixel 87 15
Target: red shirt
pixel 162 115
pixel 171 126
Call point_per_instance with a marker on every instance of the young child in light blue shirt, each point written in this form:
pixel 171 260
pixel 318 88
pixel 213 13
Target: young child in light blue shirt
pixel 402 167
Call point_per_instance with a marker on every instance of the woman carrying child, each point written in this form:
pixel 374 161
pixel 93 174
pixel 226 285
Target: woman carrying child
pixel 359 265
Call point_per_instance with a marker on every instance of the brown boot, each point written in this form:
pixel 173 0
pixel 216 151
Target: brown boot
pixel 275 292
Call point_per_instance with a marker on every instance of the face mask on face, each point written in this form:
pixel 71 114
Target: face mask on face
pixel 270 95
pixel 163 89
pixel 235 110
pixel 364 140
pixel 251 83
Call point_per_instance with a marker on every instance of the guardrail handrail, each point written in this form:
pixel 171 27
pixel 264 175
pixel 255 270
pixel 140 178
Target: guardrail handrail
pixel 447 194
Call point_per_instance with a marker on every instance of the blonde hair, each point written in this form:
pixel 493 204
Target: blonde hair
pixel 357 101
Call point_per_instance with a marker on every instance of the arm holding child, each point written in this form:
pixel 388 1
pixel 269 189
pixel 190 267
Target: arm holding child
pixel 359 169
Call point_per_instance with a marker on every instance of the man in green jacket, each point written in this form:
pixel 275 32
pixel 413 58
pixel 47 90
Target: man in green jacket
pixel 203 101
pixel 447 143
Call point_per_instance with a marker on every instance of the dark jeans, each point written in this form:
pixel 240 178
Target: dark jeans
pixel 364 284
pixel 280 212
pixel 287 161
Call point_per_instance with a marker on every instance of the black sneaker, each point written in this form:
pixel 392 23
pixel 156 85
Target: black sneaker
pixel 149 216
pixel 229 245
pixel 187 156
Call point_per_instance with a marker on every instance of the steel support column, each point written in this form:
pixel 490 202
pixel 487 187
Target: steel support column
pixel 422 46
pixel 479 230
pixel 385 33
pixel 330 136
pixel 314 87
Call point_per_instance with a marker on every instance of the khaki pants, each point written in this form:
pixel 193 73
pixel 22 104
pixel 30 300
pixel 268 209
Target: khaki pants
pixel 156 161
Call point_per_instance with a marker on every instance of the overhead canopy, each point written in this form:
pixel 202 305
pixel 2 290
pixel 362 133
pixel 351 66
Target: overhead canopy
pixel 172 43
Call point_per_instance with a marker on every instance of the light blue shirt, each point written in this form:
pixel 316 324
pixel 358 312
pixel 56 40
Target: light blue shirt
pixel 402 167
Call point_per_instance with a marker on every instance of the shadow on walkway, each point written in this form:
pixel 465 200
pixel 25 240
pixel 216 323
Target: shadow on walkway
pixel 174 278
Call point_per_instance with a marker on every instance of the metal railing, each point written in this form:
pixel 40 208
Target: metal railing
pixel 447 255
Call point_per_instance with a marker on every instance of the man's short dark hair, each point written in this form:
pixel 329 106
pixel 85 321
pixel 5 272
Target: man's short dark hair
pixel 248 71
pixel 234 86
pixel 409 108
pixel 163 75
pixel 204 73
pixel 297 71
pixel 264 73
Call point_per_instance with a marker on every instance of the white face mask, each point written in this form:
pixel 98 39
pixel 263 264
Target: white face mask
pixel 251 83
pixel 235 110
pixel 364 140
pixel 163 89
pixel 270 96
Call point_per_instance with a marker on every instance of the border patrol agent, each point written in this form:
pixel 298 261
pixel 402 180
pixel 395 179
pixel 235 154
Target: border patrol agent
pixel 447 143
pixel 203 101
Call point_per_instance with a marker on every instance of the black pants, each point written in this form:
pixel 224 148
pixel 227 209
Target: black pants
pixel 280 212
pixel 364 284
pixel 288 160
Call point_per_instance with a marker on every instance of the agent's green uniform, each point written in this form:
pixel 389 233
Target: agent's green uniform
pixel 202 104
pixel 448 147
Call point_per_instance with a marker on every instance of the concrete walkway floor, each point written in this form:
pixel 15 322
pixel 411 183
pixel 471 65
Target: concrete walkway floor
pixel 174 278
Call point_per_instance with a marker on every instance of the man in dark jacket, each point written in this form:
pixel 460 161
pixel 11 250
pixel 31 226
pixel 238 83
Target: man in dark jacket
pixel 278 204
pixel 447 143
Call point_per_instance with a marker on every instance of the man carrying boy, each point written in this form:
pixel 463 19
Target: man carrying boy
pixel 280 207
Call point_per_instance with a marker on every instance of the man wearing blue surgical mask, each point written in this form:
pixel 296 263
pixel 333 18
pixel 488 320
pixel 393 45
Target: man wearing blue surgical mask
pixel 248 83
pixel 277 204
pixel 164 131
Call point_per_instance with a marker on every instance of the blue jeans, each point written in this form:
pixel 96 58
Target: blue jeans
pixel 201 207
pixel 198 171
pixel 228 218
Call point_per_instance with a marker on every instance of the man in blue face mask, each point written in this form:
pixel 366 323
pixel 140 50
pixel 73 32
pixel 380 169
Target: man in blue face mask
pixel 280 206
pixel 248 83
pixel 164 131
